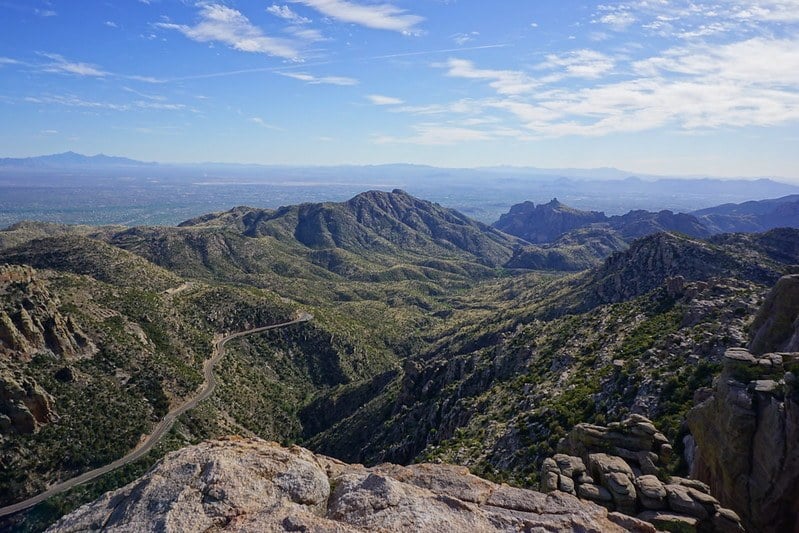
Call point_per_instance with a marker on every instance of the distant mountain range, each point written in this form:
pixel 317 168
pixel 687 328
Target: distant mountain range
pixel 75 160
pixel 565 238
pixel 71 159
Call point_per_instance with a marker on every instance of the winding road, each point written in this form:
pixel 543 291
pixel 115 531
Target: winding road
pixel 162 427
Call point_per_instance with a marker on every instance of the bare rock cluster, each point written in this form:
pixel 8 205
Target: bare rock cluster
pixel 620 468
pixel 253 485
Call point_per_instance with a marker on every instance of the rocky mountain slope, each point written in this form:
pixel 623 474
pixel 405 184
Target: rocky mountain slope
pixel 754 216
pixel 576 250
pixel 422 347
pixel 498 389
pixel 373 222
pixel 249 485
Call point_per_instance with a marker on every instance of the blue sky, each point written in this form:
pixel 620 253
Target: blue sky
pixel 654 86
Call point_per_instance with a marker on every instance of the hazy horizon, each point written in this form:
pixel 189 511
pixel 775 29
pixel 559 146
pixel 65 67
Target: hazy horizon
pixel 623 173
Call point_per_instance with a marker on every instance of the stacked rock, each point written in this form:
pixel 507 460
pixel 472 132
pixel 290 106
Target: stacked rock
pixel 619 467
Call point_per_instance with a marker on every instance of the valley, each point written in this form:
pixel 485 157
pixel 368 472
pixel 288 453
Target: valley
pixel 434 338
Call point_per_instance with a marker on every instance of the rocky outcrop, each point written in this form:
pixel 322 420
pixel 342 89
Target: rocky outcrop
pixel 653 260
pixel 30 320
pixel 24 405
pixel 619 467
pixel 254 485
pixel 776 327
pixel 743 436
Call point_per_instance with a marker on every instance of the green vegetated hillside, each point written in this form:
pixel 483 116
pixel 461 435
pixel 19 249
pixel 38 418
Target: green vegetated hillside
pixel 426 343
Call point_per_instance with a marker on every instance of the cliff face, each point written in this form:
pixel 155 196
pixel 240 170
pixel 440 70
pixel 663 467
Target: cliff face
pixel 254 485
pixel 744 432
pixel 743 440
pixel 776 327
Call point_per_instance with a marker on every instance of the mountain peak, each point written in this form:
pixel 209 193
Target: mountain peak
pixel 544 223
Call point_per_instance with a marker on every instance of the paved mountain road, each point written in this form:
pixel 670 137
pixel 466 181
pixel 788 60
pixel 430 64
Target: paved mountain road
pixel 162 427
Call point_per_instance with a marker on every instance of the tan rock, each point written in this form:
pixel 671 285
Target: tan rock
pixel 254 485
pixel 651 492
pixel 681 501
pixel 670 522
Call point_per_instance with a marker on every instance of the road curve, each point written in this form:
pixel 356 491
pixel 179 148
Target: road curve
pixel 162 427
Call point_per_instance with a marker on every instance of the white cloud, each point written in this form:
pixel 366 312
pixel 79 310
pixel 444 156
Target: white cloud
pixel 503 81
pixel 579 64
pixel 286 13
pixel 315 80
pixel 618 20
pixel 61 65
pixel 111 24
pixel 76 101
pixel 740 62
pixel 45 12
pixel 689 88
pixel 264 124
pixel 376 16
pixel 8 61
pixel 463 38
pixel 220 23
pixel 379 99
pixel 305 33
pixel 161 106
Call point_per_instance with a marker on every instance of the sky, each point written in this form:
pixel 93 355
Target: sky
pixel 653 86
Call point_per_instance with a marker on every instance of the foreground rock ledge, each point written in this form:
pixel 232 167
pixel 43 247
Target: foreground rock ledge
pixel 239 484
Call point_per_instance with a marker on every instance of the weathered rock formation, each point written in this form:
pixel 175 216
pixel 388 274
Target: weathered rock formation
pixel 619 467
pixel 744 436
pixel 24 405
pixel 253 485
pixel 30 320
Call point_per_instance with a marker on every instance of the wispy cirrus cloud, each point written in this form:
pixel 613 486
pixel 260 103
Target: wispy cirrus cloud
pixel 320 80
pixel 503 81
pixel 375 16
pixel 589 64
pixel 453 132
pixel 219 23
pixel 264 124
pixel 60 64
pixel 463 38
pixel 286 13
pixel 8 61
pixel 69 100
pixel 379 99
